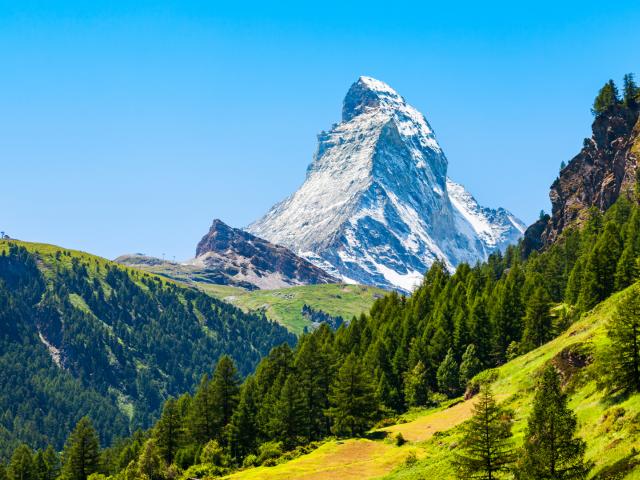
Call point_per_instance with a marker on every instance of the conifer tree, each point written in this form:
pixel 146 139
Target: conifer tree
pixel 81 452
pixel 551 450
pixel 607 97
pixel 201 420
pixel 314 370
pixel 21 465
pixel 243 429
pixel 470 366
pixel 481 331
pixel 416 386
pixel 486 449
pixel 630 91
pixel 290 420
pixel 447 375
pixel 537 320
pixel 353 402
pixel 623 363
pixel 51 463
pixel 508 310
pixel 225 390
pixel 168 432
pixel 150 465
pixel 3 469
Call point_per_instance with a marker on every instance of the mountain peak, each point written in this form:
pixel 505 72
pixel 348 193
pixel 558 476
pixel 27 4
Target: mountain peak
pixel 366 94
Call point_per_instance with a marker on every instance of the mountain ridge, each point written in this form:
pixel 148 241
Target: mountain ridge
pixel 374 207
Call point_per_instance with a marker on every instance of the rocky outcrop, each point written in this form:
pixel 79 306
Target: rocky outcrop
pixel 246 259
pixel 377 207
pixel 605 167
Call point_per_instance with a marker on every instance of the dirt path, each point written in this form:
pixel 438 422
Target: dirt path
pixel 423 428
pixel 361 459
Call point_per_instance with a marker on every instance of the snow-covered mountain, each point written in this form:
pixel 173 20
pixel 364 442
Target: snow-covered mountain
pixel 376 206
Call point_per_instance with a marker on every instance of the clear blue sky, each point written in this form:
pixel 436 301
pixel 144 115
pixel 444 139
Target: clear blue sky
pixel 129 126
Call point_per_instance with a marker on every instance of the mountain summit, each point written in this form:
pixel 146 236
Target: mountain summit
pixel 376 206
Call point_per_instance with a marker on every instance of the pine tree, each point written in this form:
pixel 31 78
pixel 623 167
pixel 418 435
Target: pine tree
pixel 81 452
pixel 52 463
pixel 551 450
pixel 225 391
pixel 416 386
pixel 508 310
pixel 314 367
pixel 353 402
pixel 447 375
pixel 470 366
pixel 607 97
pixel 243 429
pixel 623 364
pixel 537 320
pixel 150 465
pixel 21 465
pixel 486 449
pixel 169 430
pixel 201 420
pixel 290 421
pixel 481 331
pixel 630 91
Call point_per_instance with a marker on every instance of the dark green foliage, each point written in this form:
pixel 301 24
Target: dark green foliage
pixel 470 366
pixel 416 387
pixel 630 91
pixel 81 452
pixel 551 451
pixel 607 97
pixel 289 424
pixel 447 375
pixel 486 449
pixel 353 403
pixel 243 430
pixel 537 320
pixel 22 466
pixel 623 358
pixel 169 430
pixel 225 391
pixel 121 335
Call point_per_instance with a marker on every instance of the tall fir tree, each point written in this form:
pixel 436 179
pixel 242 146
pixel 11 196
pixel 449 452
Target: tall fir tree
pixel 290 421
pixel 486 449
pixel 21 465
pixel 353 402
pixel 416 386
pixel 538 324
pixel 225 391
pixel 630 91
pixel 169 430
pixel 481 331
pixel 551 450
pixel 623 361
pixel 448 375
pixel 201 420
pixel 607 97
pixel 81 452
pixel 470 366
pixel 243 429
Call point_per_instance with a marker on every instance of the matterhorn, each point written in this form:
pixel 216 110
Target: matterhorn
pixel 376 206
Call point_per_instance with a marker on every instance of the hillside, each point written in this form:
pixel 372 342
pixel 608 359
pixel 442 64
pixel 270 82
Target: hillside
pixel 81 335
pixel 610 424
pixel 282 305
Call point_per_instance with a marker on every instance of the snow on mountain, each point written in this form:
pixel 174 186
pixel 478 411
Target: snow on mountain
pixel 376 206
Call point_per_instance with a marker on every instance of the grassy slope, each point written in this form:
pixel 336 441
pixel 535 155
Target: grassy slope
pixel 434 434
pixel 285 305
pixel 282 305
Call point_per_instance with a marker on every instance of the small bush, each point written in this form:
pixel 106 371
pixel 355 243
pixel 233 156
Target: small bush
pixel 411 459
pixel 250 461
pixel 400 439
pixel 269 451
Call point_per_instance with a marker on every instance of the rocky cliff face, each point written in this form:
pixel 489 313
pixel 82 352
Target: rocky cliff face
pixel 243 259
pixel 376 206
pixel 605 167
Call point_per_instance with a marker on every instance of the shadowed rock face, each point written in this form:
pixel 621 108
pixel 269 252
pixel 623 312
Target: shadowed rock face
pixel 604 168
pixel 244 258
